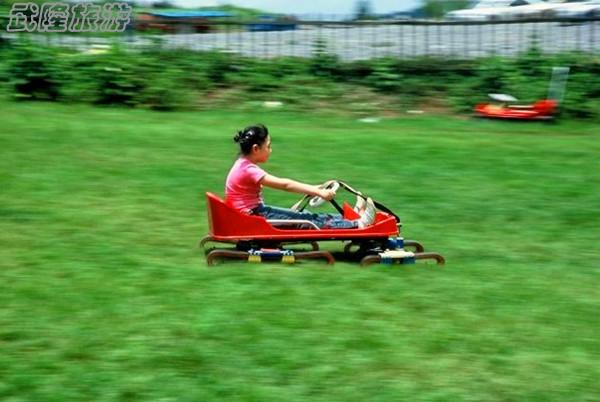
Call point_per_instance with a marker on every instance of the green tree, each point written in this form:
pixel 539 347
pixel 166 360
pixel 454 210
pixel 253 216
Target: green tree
pixel 163 4
pixel 439 8
pixel 364 11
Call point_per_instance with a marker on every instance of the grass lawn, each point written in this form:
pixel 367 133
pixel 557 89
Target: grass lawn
pixel 105 297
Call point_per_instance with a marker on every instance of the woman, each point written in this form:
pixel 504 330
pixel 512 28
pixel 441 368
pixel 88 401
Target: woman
pixel 243 188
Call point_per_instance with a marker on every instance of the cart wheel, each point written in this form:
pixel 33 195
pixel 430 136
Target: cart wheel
pixel 370 259
pixel 208 239
pixel 316 254
pixel 241 255
pixel 433 256
pixel 413 243
pixel 204 240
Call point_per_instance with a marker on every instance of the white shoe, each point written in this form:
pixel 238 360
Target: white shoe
pixel 368 216
pixel 360 205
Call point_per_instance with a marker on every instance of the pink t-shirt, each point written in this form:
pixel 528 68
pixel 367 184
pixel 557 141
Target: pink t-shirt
pixel 243 188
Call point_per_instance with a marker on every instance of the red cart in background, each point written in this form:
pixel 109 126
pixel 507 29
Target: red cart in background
pixel 543 109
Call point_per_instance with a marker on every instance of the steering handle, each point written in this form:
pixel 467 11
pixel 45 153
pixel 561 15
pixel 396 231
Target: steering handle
pixel 317 201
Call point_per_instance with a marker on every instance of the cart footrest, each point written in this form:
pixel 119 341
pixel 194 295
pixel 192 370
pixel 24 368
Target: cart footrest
pixel 400 256
pixel 286 256
pixel 264 254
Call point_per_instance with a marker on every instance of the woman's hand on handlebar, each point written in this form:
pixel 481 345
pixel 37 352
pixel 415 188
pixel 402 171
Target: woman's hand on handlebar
pixel 326 194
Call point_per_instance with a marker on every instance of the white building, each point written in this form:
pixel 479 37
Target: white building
pixel 490 10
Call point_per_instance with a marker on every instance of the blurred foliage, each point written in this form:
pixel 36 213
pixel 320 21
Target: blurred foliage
pixel 170 79
pixel 163 4
pixel 33 72
pixel 323 63
pixel 119 79
pixel 364 10
pixel 439 8
pixel 385 77
pixel 239 13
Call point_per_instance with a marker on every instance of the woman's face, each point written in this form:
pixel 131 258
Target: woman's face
pixel 262 153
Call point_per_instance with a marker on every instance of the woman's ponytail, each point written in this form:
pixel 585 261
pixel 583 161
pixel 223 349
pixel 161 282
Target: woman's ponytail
pixel 238 136
pixel 249 136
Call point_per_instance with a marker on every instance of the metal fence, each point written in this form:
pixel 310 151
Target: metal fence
pixel 363 39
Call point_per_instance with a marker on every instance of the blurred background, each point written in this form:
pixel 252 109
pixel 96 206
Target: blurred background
pixel 449 53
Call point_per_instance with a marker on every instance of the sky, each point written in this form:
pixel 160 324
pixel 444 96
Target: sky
pixel 304 6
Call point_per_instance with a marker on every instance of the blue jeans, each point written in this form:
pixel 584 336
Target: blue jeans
pixel 323 221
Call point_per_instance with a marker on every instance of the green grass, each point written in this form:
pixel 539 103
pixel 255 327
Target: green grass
pixel 105 296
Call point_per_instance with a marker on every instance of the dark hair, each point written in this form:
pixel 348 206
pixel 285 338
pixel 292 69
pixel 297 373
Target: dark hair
pixel 249 136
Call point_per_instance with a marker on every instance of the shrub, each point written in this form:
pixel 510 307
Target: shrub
pixel 32 71
pixel 78 82
pixel 218 67
pixel 165 90
pixel 167 79
pixel 323 63
pixel 118 82
pixel 385 76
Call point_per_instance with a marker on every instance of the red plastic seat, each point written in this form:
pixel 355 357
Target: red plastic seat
pixel 226 224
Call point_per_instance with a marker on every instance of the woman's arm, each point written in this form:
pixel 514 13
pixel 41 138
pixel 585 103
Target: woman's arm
pixel 296 187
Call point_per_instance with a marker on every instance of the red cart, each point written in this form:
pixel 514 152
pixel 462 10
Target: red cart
pixel 257 239
pixel 544 109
